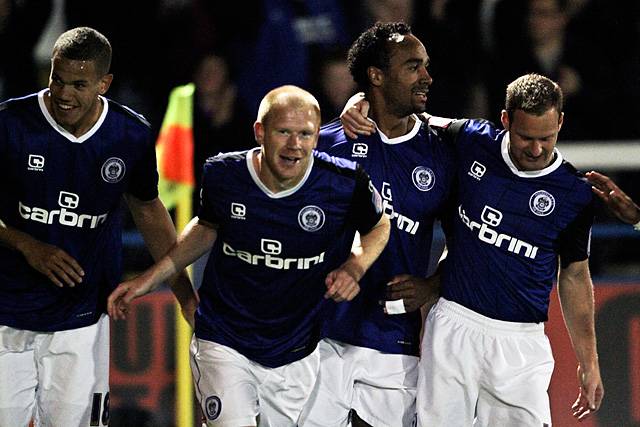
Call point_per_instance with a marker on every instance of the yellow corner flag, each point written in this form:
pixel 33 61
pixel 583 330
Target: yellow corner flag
pixel 174 151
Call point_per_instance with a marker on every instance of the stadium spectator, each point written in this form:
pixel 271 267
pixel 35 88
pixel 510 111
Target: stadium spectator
pixel 203 118
pixel 333 83
pixel 544 44
pixel 297 32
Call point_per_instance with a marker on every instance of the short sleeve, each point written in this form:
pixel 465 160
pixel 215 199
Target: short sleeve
pixel 575 241
pixel 143 183
pixel 208 190
pixel 366 206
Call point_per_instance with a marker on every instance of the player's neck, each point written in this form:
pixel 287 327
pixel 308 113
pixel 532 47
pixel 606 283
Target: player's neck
pixel 389 122
pixel 393 126
pixel 82 126
pixel 273 183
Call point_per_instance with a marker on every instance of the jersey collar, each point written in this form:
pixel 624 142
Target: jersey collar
pixel 62 131
pixel 265 190
pixel 528 174
pixel 400 139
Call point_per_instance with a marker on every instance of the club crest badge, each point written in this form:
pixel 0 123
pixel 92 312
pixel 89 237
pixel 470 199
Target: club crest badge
pixel 423 178
pixel 542 203
pixel 113 170
pixel 311 218
pixel 213 407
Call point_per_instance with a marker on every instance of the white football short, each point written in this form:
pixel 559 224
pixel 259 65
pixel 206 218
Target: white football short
pixel 480 371
pixel 57 378
pixel 380 387
pixel 235 391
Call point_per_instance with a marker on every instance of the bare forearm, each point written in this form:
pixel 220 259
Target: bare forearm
pixel 575 290
pixel 12 238
pixel 154 224
pixel 194 241
pixel 371 245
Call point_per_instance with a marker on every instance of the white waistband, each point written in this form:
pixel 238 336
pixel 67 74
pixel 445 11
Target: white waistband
pixel 484 323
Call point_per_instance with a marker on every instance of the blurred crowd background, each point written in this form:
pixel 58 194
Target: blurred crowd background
pixel 235 51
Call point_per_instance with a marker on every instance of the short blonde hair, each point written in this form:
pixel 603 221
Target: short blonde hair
pixel 286 96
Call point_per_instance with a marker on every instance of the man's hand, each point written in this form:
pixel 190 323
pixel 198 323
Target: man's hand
pixel 341 285
pixel 60 267
pixel 616 200
pixel 414 292
pixel 590 394
pixel 354 117
pixel 120 299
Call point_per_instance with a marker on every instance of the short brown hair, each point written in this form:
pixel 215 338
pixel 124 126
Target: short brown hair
pixel 85 44
pixel 533 94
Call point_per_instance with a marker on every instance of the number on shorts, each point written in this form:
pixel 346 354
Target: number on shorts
pixel 99 410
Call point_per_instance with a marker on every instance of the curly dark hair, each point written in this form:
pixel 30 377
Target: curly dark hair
pixel 372 48
pixel 533 94
pixel 85 44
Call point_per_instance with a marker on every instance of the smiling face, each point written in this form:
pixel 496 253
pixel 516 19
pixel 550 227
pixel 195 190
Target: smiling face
pixel 532 138
pixel 74 86
pixel 406 82
pixel 288 133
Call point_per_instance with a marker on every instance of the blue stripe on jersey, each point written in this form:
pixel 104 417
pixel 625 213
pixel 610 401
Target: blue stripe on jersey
pixel 67 194
pixel 263 285
pixel 414 173
pixel 506 229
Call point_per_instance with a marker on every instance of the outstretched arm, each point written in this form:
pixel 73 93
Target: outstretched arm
pixel 197 237
pixel 157 229
pixel 575 290
pixel 617 201
pixel 342 283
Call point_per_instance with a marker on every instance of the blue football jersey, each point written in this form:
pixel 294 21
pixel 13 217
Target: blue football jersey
pixel 507 228
pixel 414 173
pixel 264 282
pixel 67 191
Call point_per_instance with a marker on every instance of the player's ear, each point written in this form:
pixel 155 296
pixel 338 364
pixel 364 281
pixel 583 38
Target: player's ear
pixel 258 132
pixel 376 76
pixel 560 121
pixel 504 118
pixel 105 83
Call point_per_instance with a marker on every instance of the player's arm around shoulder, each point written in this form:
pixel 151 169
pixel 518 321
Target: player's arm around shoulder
pixel 575 290
pixel 354 117
pixel 616 200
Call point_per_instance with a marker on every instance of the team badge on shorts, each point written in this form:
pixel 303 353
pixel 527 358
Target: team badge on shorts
pixel 423 178
pixel 542 203
pixel 311 218
pixel 213 407
pixel 113 170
